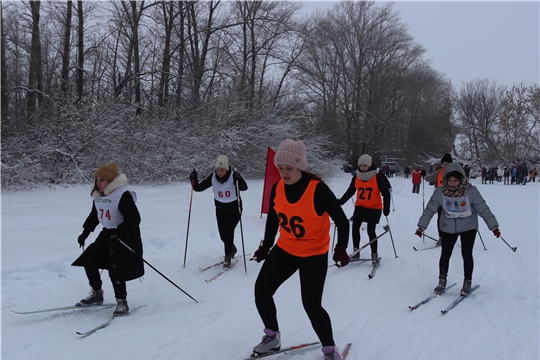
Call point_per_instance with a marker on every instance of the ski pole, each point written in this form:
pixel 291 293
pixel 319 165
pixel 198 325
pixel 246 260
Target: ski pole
pixel 482 240
pixel 513 248
pixel 391 237
pixel 147 263
pixel 423 203
pixel 334 237
pixel 240 214
pixel 430 237
pixel 386 229
pixel 188 219
pixel 392 198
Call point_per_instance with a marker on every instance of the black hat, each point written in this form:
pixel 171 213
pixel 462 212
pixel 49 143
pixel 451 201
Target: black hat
pixel 446 158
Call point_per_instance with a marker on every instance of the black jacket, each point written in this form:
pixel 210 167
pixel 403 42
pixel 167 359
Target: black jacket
pixel 128 266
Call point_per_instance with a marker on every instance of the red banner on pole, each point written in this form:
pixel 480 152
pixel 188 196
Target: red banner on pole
pixel 271 176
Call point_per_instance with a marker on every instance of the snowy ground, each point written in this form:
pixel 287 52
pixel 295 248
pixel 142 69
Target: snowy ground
pixel 39 241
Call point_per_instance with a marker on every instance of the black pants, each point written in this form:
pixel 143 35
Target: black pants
pixel 92 264
pixel 447 246
pixel 277 268
pixel 416 188
pixel 370 230
pixel 226 222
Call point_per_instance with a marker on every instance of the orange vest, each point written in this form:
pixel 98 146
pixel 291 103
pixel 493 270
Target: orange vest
pixel 440 177
pixel 302 232
pixel 368 194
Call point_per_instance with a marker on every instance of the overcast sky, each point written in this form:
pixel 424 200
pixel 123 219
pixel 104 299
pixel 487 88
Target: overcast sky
pixel 471 40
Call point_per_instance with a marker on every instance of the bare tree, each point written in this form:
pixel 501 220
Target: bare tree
pixel 3 80
pixel 35 75
pixel 478 107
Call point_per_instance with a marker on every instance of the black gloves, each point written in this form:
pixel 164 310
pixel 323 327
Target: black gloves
pixel 236 175
pixel 386 211
pixel 261 253
pixel 83 237
pixel 340 255
pixel 193 175
pixel 423 173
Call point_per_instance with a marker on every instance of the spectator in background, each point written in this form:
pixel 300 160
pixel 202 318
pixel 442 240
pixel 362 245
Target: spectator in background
pixel 506 175
pixel 500 173
pixel 416 179
pixel 532 175
pixel 513 173
pixel 407 171
pixel 467 170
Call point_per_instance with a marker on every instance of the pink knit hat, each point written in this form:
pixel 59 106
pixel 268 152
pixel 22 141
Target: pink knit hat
pixel 291 153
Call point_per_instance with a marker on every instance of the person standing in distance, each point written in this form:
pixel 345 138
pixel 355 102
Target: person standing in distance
pixel 114 207
pixel 228 210
pixel 301 206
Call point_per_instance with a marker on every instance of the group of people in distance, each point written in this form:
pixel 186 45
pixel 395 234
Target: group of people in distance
pixel 301 209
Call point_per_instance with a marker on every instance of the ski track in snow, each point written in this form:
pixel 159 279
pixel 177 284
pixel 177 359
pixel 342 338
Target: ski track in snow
pixel 500 320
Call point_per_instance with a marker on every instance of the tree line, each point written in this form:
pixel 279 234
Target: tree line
pixel 162 87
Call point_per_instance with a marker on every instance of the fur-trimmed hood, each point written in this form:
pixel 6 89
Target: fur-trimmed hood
pixel 118 182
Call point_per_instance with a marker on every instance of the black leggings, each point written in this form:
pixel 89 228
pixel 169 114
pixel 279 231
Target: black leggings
pixel 227 221
pixel 278 267
pixel 447 246
pixel 370 230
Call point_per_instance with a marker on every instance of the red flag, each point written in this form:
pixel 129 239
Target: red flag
pixel 271 176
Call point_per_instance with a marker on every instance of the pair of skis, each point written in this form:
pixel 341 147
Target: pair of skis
pixel 344 353
pixel 106 323
pixel 373 269
pixel 78 307
pixel 459 299
pixel 223 271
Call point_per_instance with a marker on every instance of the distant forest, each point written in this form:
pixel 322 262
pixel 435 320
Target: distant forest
pixel 163 87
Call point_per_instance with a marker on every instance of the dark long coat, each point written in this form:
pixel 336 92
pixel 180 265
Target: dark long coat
pixel 108 253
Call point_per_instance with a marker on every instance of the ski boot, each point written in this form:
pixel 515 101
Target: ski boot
pixel 442 285
pixel 271 341
pixel 331 353
pixel 95 298
pixel 466 289
pixel 375 259
pixel 227 262
pixel 121 307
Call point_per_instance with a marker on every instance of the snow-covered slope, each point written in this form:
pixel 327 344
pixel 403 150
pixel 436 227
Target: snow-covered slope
pixel 39 241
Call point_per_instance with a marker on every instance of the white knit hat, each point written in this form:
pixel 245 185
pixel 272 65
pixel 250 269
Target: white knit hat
pixel 222 162
pixel 291 153
pixel 365 160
